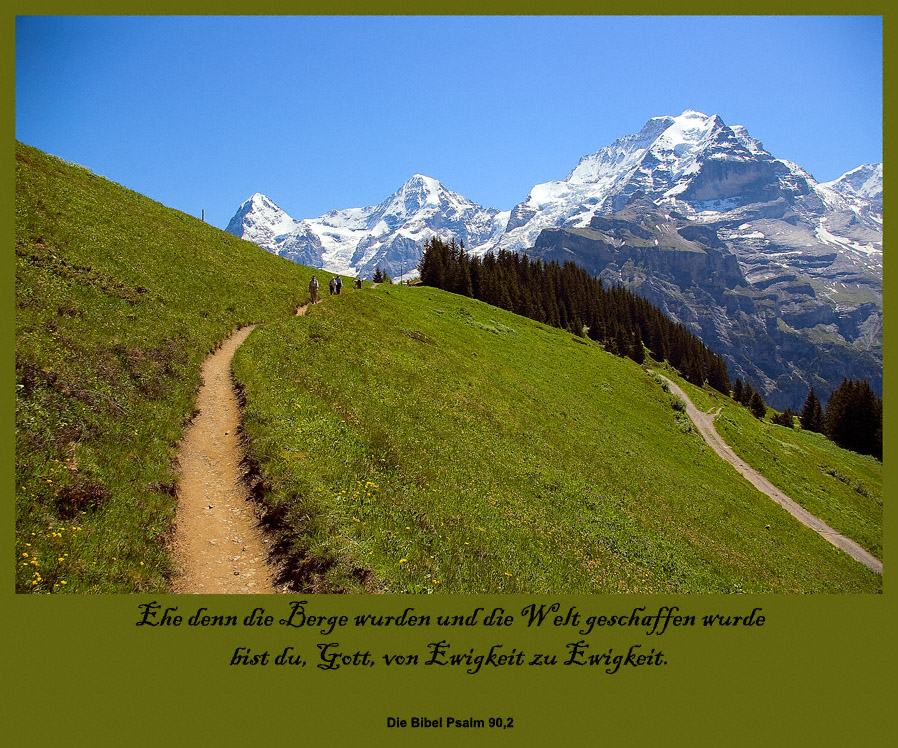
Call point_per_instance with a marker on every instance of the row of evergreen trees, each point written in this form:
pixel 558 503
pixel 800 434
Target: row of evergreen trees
pixel 568 297
pixel 751 398
pixel 380 276
pixel 852 419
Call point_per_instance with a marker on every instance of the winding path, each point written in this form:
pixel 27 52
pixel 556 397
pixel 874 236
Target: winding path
pixel 704 422
pixel 219 547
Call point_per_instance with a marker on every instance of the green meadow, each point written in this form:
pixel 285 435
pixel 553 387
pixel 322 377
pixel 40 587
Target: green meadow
pixel 410 440
pixel 400 439
pixel 118 301
pixel 842 488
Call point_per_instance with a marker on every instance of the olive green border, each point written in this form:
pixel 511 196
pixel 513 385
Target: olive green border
pixel 78 671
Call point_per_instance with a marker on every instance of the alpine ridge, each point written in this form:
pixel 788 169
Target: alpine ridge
pixel 791 294
pixel 356 241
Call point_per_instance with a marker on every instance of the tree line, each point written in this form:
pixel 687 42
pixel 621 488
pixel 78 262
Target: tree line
pixel 751 398
pixel 852 417
pixel 568 297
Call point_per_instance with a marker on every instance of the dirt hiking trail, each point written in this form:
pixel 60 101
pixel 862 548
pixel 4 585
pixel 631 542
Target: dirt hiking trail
pixel 219 547
pixel 704 422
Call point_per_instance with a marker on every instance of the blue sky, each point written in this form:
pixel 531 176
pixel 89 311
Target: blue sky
pixel 335 112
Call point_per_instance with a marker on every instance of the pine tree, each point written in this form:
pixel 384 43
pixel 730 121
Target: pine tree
pixel 621 344
pixel 786 418
pixel 853 418
pixel 737 391
pixel 756 405
pixel 637 353
pixel 811 417
pixel 718 377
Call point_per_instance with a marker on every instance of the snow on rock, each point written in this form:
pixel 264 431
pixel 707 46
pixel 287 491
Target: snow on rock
pixel 355 241
pixel 692 164
pixel 864 182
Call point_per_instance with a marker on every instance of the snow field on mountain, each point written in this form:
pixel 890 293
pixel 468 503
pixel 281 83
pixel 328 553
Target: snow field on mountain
pixel 662 161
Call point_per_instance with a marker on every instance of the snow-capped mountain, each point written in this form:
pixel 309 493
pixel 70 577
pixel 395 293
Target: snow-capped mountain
pixel 807 309
pixel 356 241
pixel 864 182
pixel 803 260
pixel 692 164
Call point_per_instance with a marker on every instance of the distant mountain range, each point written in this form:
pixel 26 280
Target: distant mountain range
pixel 779 273
pixel 356 241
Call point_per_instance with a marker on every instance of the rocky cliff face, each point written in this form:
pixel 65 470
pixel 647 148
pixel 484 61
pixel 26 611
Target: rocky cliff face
pixel 776 326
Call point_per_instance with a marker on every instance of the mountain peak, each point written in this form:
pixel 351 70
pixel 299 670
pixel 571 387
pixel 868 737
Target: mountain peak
pixel 422 184
pixel 259 220
pixel 865 182
pixel 258 200
pixel 422 179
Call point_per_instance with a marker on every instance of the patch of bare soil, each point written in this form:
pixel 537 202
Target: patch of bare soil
pixel 219 546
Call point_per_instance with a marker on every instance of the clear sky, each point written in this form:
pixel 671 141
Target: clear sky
pixel 336 112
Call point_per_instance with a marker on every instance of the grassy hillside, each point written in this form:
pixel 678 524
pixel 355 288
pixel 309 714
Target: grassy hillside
pixel 411 440
pixel 843 488
pixel 118 300
pixel 403 439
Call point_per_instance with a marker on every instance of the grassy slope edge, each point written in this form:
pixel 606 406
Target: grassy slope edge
pixel 118 300
pixel 841 487
pixel 409 440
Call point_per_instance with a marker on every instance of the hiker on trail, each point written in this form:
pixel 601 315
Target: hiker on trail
pixel 313 289
pixel 339 284
pixel 358 282
pixel 333 286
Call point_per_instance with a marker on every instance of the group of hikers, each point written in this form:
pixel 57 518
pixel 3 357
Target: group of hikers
pixel 336 285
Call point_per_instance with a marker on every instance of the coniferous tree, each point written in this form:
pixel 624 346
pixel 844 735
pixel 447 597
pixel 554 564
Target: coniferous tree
pixel 737 390
pixel 756 405
pixel 786 418
pixel 637 353
pixel 464 284
pixel 621 344
pixel 853 418
pixel 811 417
pixel 716 370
